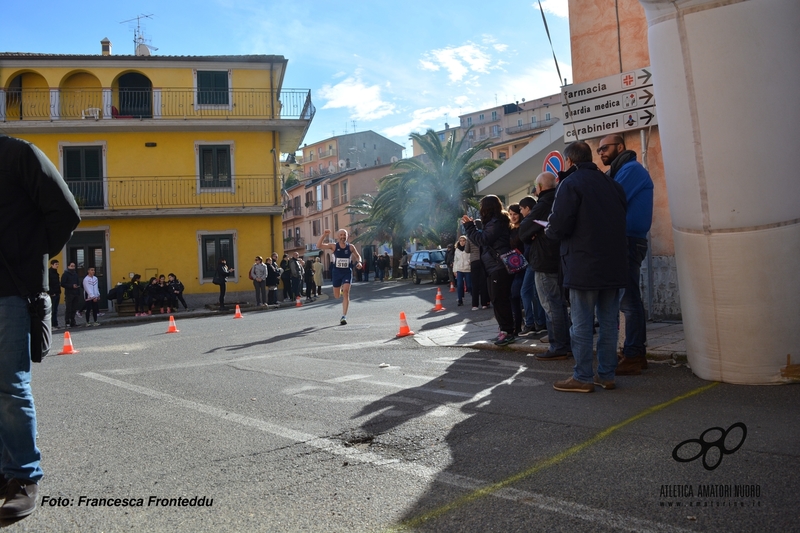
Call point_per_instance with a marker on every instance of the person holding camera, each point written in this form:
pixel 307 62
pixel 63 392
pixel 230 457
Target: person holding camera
pixel 37 216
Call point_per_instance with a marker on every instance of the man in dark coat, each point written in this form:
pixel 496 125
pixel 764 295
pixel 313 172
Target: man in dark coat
pixel 37 216
pixel 55 290
pixel 588 217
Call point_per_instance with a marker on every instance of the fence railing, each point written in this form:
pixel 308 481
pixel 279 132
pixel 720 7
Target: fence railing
pixel 531 126
pixel 165 103
pixel 176 192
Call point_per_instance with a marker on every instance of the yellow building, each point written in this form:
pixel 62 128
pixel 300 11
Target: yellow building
pixel 172 160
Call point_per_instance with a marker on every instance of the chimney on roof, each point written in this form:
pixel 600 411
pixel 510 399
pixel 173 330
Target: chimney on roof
pixel 106 46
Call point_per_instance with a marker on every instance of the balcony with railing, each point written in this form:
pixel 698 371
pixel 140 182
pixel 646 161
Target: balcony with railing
pixel 314 207
pixel 531 126
pixel 189 192
pixel 157 103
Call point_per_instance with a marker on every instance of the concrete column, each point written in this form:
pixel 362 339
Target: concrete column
pixel 726 77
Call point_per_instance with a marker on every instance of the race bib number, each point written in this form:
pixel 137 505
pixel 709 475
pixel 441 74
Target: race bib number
pixel 342 262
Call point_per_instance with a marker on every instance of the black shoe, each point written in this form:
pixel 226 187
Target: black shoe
pixel 460 302
pixel 551 356
pixel 20 498
pixel 526 330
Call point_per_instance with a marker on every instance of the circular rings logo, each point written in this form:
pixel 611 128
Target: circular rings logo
pixel 705 446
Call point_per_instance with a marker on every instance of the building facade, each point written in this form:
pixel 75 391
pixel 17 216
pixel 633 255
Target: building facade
pixel 350 151
pixel 323 203
pixel 508 127
pixel 172 160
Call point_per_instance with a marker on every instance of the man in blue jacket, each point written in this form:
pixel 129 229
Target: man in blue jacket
pixel 638 186
pixel 588 217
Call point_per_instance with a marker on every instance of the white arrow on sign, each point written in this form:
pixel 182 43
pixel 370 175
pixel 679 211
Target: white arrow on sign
pixel 620 122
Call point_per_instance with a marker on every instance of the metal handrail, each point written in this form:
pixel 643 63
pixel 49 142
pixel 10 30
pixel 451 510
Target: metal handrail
pixel 531 126
pixel 175 192
pixel 165 103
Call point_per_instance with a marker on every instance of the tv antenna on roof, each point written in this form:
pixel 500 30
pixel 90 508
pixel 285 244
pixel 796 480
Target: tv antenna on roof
pixel 140 46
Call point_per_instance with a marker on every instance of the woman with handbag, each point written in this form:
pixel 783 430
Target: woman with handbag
pixel 494 240
pixel 515 213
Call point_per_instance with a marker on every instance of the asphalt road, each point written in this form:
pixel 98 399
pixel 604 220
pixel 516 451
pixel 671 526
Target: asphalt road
pixel 286 421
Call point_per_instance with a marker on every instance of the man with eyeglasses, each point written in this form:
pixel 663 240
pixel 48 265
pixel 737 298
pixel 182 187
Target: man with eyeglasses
pixel 638 186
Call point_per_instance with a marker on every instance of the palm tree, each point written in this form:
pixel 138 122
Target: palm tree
pixel 443 185
pixel 424 197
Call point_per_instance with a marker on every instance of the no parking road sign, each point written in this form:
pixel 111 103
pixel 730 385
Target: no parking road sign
pixel 553 162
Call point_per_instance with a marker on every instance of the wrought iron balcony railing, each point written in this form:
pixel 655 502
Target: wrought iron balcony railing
pixel 118 193
pixel 163 103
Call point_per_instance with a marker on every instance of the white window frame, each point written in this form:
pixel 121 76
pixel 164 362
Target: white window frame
pixel 198 171
pixel 103 155
pixel 229 105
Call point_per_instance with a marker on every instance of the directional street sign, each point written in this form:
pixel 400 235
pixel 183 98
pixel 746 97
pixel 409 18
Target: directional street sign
pixel 612 104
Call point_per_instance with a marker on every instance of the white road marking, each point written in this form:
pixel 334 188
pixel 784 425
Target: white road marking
pixel 428 474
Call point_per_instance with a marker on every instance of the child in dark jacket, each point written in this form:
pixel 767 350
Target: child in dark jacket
pixel 138 295
pixel 176 288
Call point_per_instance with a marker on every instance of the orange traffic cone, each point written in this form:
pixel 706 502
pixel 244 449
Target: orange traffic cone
pixel 238 313
pixel 68 349
pixel 452 287
pixel 298 302
pixel 172 327
pixel 404 329
pixel 439 300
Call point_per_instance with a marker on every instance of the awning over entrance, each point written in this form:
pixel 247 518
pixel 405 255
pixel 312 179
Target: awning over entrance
pixel 522 168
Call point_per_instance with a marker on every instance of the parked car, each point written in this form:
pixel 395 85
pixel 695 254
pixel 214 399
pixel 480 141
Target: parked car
pixel 428 264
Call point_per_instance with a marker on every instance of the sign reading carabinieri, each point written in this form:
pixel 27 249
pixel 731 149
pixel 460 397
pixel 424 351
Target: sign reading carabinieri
pixel 609 105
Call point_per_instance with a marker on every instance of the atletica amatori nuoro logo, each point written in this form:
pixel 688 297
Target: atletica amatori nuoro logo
pixel 683 451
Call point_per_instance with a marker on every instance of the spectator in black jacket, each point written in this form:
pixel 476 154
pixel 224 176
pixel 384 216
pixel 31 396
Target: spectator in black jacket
pixel 221 278
pixel 494 240
pixel 37 216
pixel 588 217
pixel 544 259
pixel 73 294
pixel 153 295
pixel 176 288
pixel 55 290
pixel 273 277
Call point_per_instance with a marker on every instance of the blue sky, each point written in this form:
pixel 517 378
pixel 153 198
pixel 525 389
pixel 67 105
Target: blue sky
pixel 390 67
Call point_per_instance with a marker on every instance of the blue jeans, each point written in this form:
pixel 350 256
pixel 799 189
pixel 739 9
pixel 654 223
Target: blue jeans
pixel 583 305
pixel 462 277
pixel 531 301
pixel 631 302
pixel 555 307
pixel 20 457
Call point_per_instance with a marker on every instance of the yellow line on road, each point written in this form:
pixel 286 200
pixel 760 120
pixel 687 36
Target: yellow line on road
pixel 552 461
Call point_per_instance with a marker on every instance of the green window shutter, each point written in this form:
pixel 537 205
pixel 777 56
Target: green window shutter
pixel 212 87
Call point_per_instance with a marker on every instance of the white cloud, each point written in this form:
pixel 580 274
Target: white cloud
pixel 364 102
pixel 558 8
pixel 458 61
pixel 536 81
pixel 423 119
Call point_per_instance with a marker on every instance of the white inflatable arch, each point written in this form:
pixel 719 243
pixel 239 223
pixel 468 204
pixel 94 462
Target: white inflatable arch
pixel 727 76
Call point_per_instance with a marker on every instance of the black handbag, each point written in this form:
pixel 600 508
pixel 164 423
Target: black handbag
pixel 40 310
